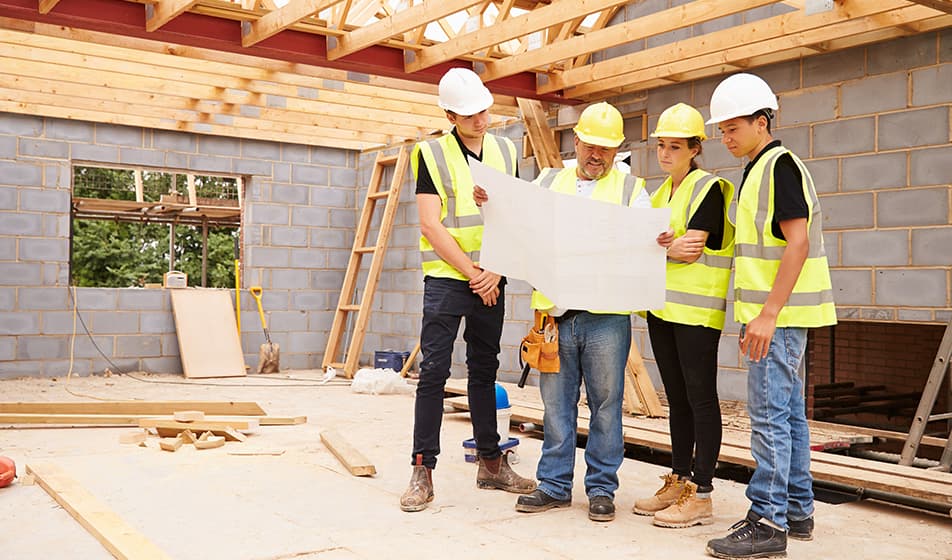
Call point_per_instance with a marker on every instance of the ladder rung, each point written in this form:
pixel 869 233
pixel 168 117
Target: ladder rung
pixel 381 194
pixel 387 160
pixel 367 249
pixel 935 417
pixel 336 365
pixel 350 307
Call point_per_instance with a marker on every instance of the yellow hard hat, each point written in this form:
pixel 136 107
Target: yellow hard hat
pixel 680 121
pixel 602 125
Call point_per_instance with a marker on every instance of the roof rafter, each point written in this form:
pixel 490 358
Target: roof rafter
pixel 941 5
pixel 398 23
pixel 164 11
pixel 551 15
pixel 276 21
pixel 47 5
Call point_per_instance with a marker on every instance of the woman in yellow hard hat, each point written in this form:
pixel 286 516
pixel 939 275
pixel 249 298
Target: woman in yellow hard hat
pixel 685 333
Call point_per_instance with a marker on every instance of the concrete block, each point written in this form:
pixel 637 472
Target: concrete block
pixel 309 216
pixel 834 67
pixel 209 164
pixel 281 172
pixel 287 321
pixel 267 257
pixel 333 238
pixel 8 147
pixel 731 384
pixel 42 347
pixel 810 106
pixel 288 236
pixel 21 125
pixel 831 244
pixel 57 175
pixel 260 149
pixel 309 175
pixel 8 348
pixel 661 98
pixel 715 156
pixel 876 248
pixel 878 171
pixel 170 364
pixel 334 198
pixel 252 167
pixel 135 299
pixel 20 274
pixel 415 305
pixel 138 346
pixel 797 140
pixel 175 141
pixel 15 369
pixel 847 313
pixel 309 300
pixel 912 207
pixel 329 156
pixel 137 156
pixel 19 323
pixel 156 322
pixel 219 145
pixel 96 298
pixel 170 342
pixel 345 177
pixel 912 129
pixel 825 173
pixel 338 259
pixel 901 54
pixel 268 214
pixel 32 147
pixel 912 288
pixel 669 37
pixel 41 298
pixel 877 314
pixel 36 200
pixel 931 167
pixel 295 153
pixel 55 274
pixel 288 279
pixel 945 45
pixel 77 131
pixel 852 287
pixel 116 363
pixel 930 86
pixel 22 174
pixel 874 94
pixel 94 153
pixel 117 134
pixel 914 315
pixel 61 322
pixel 308 258
pixel 289 194
pixel 728 352
pixel 307 342
pixel 848 136
pixel 8 248
pixel 327 280
pixel 8 298
pixel 932 246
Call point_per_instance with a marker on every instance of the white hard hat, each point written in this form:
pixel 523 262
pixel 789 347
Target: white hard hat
pixel 462 92
pixel 740 95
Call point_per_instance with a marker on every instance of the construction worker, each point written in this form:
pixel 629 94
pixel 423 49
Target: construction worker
pixel 456 287
pixel 593 346
pixel 781 287
pixel 685 333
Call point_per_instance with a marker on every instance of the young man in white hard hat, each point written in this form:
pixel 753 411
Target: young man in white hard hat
pixel 456 287
pixel 781 288
pixel 593 345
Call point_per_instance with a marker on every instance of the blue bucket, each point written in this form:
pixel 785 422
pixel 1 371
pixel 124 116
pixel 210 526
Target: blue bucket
pixel 384 359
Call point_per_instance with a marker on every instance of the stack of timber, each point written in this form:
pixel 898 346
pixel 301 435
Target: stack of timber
pixel 928 485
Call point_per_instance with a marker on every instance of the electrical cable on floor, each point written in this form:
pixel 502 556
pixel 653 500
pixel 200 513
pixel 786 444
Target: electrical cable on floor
pixel 278 382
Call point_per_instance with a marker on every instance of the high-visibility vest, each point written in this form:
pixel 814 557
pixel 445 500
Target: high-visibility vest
pixel 615 187
pixel 757 252
pixel 696 293
pixel 459 214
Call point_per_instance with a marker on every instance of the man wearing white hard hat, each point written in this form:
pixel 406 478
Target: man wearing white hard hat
pixel 455 286
pixel 593 345
pixel 781 288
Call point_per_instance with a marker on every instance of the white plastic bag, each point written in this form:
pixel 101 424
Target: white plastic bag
pixel 380 382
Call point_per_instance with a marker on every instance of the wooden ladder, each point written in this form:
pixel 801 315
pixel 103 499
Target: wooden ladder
pixel 346 304
pixel 940 370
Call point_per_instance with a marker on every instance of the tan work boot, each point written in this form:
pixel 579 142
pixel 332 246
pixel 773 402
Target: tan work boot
pixel 687 511
pixel 667 495
pixel 420 491
pixel 496 473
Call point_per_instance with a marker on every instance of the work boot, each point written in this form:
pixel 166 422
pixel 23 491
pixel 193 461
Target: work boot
pixel 601 508
pixel 540 501
pixel 687 511
pixel 667 495
pixel 800 530
pixel 749 538
pixel 420 491
pixel 497 474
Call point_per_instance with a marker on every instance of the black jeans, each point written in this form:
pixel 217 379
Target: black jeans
pixel 445 302
pixel 687 359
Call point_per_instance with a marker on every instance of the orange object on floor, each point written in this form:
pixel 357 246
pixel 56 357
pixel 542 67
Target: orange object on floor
pixel 8 471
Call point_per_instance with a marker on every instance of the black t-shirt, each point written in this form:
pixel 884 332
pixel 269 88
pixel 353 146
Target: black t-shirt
pixel 789 202
pixel 709 217
pixel 424 184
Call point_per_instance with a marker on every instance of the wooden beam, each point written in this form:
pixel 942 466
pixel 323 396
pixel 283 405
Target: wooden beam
pixel 940 5
pixel 401 21
pixel 235 408
pixel 276 21
pixel 354 460
pixel 647 394
pixel 117 536
pixel 540 135
pixel 657 23
pixel 164 11
pixel 546 16
pixel 206 425
pixel 47 5
pixel 93 419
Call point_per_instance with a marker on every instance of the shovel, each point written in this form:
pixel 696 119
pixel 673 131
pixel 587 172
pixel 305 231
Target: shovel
pixel 270 353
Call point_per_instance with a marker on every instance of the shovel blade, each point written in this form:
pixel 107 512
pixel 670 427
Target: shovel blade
pixel 269 357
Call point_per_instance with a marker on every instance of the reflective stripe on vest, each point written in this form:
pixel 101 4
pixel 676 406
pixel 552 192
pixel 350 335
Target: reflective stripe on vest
pixel 696 292
pixel 758 252
pixel 466 229
pixel 565 180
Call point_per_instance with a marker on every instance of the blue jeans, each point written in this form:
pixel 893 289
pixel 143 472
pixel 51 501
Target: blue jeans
pixel 782 486
pixel 593 348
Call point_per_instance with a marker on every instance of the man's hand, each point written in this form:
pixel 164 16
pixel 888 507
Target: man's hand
pixel 480 195
pixel 665 239
pixel 484 282
pixel 757 335
pixel 490 299
pixel 686 248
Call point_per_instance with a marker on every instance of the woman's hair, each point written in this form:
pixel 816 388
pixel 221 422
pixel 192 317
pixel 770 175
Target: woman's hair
pixel 695 143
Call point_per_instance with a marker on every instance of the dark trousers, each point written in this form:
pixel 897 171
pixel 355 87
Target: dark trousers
pixel 445 303
pixel 687 359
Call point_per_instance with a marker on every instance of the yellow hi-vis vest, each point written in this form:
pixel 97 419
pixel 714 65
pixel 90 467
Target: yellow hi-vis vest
pixel 757 252
pixel 459 214
pixel 615 187
pixel 696 293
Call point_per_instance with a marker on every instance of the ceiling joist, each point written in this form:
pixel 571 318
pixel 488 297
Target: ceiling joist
pixel 272 23
pixel 164 11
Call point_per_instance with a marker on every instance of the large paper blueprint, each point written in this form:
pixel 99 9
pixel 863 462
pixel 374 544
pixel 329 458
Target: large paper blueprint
pixel 580 253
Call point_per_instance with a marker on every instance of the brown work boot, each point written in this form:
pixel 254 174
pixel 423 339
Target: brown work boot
pixel 496 473
pixel 687 511
pixel 420 491
pixel 667 495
